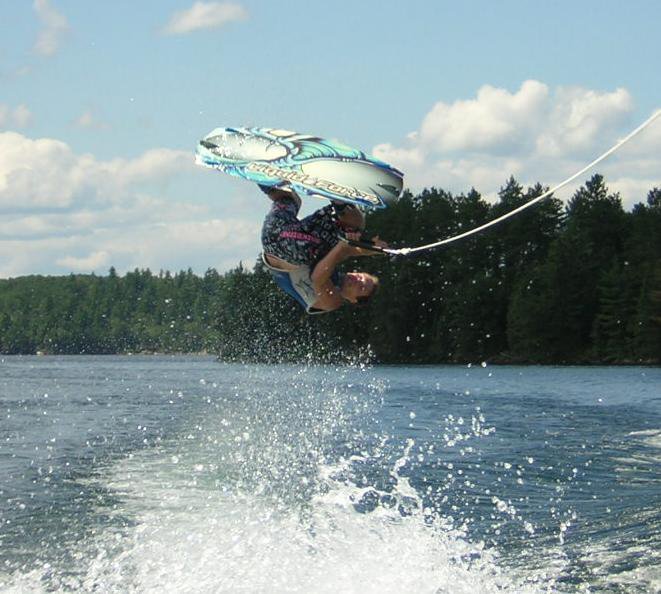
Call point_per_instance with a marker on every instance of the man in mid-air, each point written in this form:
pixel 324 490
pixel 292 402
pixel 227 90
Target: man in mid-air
pixel 303 254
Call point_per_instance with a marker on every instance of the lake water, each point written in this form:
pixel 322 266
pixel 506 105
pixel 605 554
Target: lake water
pixel 182 474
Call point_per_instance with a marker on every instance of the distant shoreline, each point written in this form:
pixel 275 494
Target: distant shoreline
pixel 565 284
pixel 468 364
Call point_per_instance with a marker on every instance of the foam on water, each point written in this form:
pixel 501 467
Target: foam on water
pixel 252 496
pixel 296 480
pixel 190 538
pixel 214 541
pixel 651 437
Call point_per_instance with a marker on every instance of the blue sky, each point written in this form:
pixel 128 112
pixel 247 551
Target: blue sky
pixel 101 105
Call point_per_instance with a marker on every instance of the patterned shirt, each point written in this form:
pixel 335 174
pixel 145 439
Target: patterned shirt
pixel 299 242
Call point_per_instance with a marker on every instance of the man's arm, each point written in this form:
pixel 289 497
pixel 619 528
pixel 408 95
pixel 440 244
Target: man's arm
pixel 362 246
pixel 328 295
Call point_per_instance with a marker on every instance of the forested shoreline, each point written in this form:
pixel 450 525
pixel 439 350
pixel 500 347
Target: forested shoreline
pixel 566 284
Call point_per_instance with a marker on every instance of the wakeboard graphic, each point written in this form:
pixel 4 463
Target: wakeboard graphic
pixel 310 165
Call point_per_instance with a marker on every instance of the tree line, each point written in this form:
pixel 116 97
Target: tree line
pixel 574 283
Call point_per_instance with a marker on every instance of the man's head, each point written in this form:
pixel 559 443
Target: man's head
pixel 359 287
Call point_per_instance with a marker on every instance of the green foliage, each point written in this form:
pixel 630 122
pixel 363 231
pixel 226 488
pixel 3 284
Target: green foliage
pixel 552 285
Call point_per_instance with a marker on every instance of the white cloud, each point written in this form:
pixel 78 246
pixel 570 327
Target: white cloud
pixel 536 134
pixel 205 15
pixel 46 173
pixel 144 242
pixel 646 144
pixel 54 28
pixel 494 120
pixel 178 245
pixel 66 212
pixel 19 117
pixel 88 120
pixel 153 163
pixel 85 120
pixel 94 261
pixel 634 190
pixel 35 172
pixel 406 158
pixel 581 118
pixel 4 114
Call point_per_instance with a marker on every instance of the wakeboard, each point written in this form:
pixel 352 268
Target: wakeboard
pixel 309 165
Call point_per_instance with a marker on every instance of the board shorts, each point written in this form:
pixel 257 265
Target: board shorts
pixel 298 283
pixel 300 242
